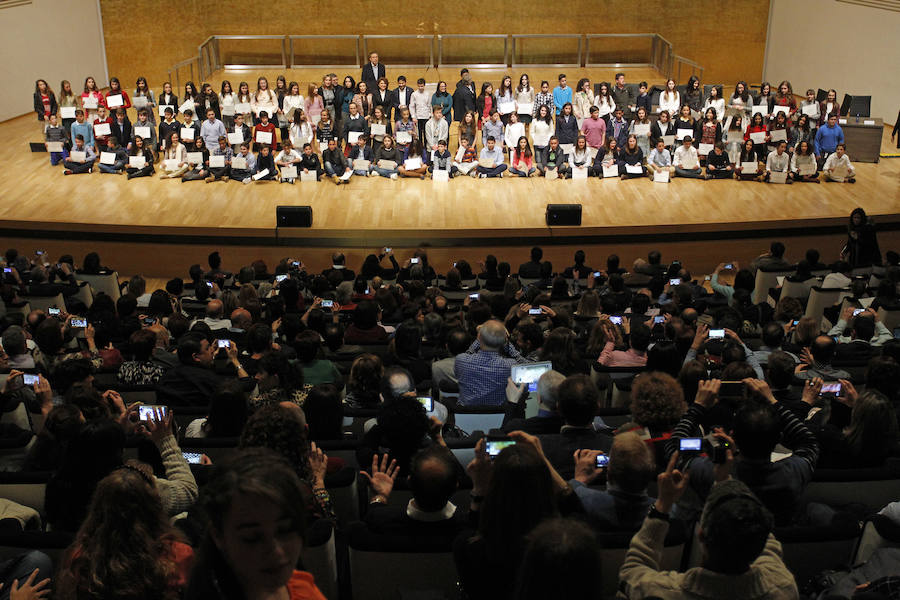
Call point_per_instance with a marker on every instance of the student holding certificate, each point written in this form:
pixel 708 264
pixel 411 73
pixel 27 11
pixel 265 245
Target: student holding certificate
pixel 265 166
pixel 263 100
pixel 116 97
pixel 209 100
pixel 784 96
pixel 660 160
pixel 44 103
pixel 741 99
pixel 288 157
pixel 102 128
pixel 607 158
pixel 191 100
pixel 717 164
pixel 309 162
pixel 140 150
pixel 91 99
pixel 522 160
pixel 291 103
pixel 220 161
pixel 779 132
pixel 670 98
pixel 640 128
pixel 466 158
pixel 765 98
pixel 81 159
pixel 513 132
pixel 325 131
pixel 228 99
pixel 175 162
pixel 685 124
pixel 55 135
pixel 379 126
pixel 506 100
pixel 121 128
pixel 779 162
pixel 243 104
pixel 687 161
pixel 120 158
pixel 361 152
pixel 354 126
pixel 715 101
pixel 264 132
pixel 142 90
pixel 708 132
pixel 544 98
pixel 490 161
pixel 631 160
pixel 198 169
pixel 407 131
pixel 803 163
pixel 413 165
pixel 143 125
pixel 239 133
pixel 243 171
pixel 167 97
pixel 484 103
pixel 837 166
pixel 67 106
pixel 384 154
pixel 759 133
pixel 747 166
pixel 83 128
pixel 582 100
pixel 663 129
pixel 442 160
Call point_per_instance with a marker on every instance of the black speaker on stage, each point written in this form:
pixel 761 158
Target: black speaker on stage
pixel 856 105
pixel 293 216
pixel 563 214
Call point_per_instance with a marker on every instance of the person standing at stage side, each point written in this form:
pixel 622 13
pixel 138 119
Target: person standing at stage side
pixel 373 71
pixel 896 130
pixel 562 94
pixel 862 244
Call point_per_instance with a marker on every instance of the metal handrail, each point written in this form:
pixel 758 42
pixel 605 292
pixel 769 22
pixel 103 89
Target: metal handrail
pixel 187 62
pixel 430 38
pixel 440 45
pixel 518 36
pixel 662 56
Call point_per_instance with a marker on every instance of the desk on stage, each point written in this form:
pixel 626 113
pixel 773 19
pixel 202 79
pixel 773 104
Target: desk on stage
pixel 863 139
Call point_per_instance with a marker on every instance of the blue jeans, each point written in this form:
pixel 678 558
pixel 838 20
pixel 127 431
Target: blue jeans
pixel 58 157
pixel 382 172
pixel 21 567
pixel 492 171
pixel 515 171
pixel 329 170
pixel 112 169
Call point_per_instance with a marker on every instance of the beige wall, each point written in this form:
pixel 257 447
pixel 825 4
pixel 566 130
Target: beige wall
pixel 52 40
pixel 828 44
pixel 140 38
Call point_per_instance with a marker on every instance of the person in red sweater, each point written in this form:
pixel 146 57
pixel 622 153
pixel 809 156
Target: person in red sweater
pixel 116 88
pixel 758 125
pixel 264 126
pixel 101 141
pixel 256 510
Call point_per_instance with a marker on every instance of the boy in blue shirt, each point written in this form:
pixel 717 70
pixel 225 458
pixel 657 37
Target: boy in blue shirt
pixel 561 93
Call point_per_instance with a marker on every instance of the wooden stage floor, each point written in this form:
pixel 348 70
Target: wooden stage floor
pixel 38 201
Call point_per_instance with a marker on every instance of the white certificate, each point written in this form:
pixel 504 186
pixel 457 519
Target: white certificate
pixel 308 176
pixel 641 129
pixel 263 137
pixel 704 149
pixel 78 155
pixel 101 129
pixel 216 161
pixel 579 172
pixel 840 172
pixel 778 177
pixel 187 133
pixel 242 108
pixel 668 140
pixel 67 112
pixel 524 108
pixel 809 109
pixel 762 109
pixel 107 158
pixel 504 108
pixel 227 110
pixel 261 174
pixel 758 137
pixel 749 167
pixel 90 103
pixel 162 109
pixel 115 101
pixel 661 176
pixel 807 169
pixel 440 175
pixel 551 174
pixel 54 146
pixel 140 101
pixel 236 138
pixel 143 132
pixel 781 109
pixel 778 135
pixel 137 161
pixel 842 121
pixel 680 134
pixel 195 158
pixel 170 164
pixel 315 119
pixel 568 149
pixel 611 170
pixel 388 165
pixel 635 169
pixel 404 137
pixel 411 164
pixel 186 105
pixel 239 162
pixel 378 129
pixel 289 172
pixel 353 136
pixel 361 164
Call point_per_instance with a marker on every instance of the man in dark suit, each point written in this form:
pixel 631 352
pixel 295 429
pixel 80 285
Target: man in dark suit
pixel 653 268
pixel 864 331
pixel 579 269
pixel 463 96
pixel 400 97
pixel 532 268
pixel 372 71
pixel 578 402
pixel 429 517
pixel 194 380
pixel 338 262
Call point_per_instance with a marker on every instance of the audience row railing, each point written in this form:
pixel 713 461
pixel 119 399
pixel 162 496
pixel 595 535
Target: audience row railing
pixel 614 50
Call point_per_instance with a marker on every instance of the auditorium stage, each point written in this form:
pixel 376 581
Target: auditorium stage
pixel 40 203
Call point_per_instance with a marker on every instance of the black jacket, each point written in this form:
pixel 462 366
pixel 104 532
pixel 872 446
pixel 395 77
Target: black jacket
pixel 39 106
pixel 371 77
pixel 566 133
pixel 397 101
pixel 463 99
pixel 122 133
pixel 384 102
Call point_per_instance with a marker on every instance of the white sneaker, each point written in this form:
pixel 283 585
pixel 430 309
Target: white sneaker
pixel 245 180
pixel 483 176
pixel 393 176
pixel 370 173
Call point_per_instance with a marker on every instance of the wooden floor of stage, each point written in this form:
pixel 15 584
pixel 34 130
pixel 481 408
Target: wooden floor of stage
pixel 38 199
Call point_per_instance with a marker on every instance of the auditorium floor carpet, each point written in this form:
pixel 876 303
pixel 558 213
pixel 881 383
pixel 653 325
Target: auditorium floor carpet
pixel 40 203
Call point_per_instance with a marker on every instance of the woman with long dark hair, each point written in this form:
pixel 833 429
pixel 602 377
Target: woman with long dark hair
pixel 861 249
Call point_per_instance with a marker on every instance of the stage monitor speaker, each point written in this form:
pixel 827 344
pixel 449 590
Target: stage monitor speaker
pixel 293 216
pixel 563 214
pixel 856 105
pixel 822 95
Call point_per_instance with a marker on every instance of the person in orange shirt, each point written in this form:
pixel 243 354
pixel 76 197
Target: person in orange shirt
pixel 257 512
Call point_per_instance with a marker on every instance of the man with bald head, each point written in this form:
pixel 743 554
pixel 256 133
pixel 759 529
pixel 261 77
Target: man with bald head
pixel 429 514
pixel 241 320
pixel 483 370
pixel 215 315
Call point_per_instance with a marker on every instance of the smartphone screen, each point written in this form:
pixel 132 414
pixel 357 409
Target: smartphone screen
pixel 53 312
pixel 615 320
pixel 145 411
pixel 280 277
pixel 731 389
pixel 192 457
pixel 729 266
pixel 602 461
pixel 31 380
pixel 224 344
pixel 675 281
pixel 493 447
pixel 659 320
pixel 689 444
pixel 534 311
pixel 149 321
pixel 597 274
pixel 78 323
pixel 716 333
pixel 473 296
pixel 856 311
pixel 427 402
pixel 327 303
pixel 414 261
pixel 830 389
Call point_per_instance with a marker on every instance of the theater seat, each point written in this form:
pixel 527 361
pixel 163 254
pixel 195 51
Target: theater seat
pixel 107 284
pixel 878 532
pixel 811 550
pixel 614 546
pixel 874 488
pixel 319 557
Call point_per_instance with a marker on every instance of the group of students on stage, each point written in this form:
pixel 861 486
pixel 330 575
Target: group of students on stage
pixel 367 129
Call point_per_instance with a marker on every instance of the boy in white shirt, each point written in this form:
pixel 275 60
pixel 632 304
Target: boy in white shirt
pixel 660 160
pixel 837 164
pixel 779 162
pixel 687 162
pixel 420 108
pixel 288 157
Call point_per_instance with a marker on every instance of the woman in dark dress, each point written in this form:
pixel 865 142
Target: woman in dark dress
pixel 861 249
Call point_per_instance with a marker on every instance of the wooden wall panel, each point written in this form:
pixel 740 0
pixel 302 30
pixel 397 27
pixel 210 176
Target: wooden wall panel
pixel 148 36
